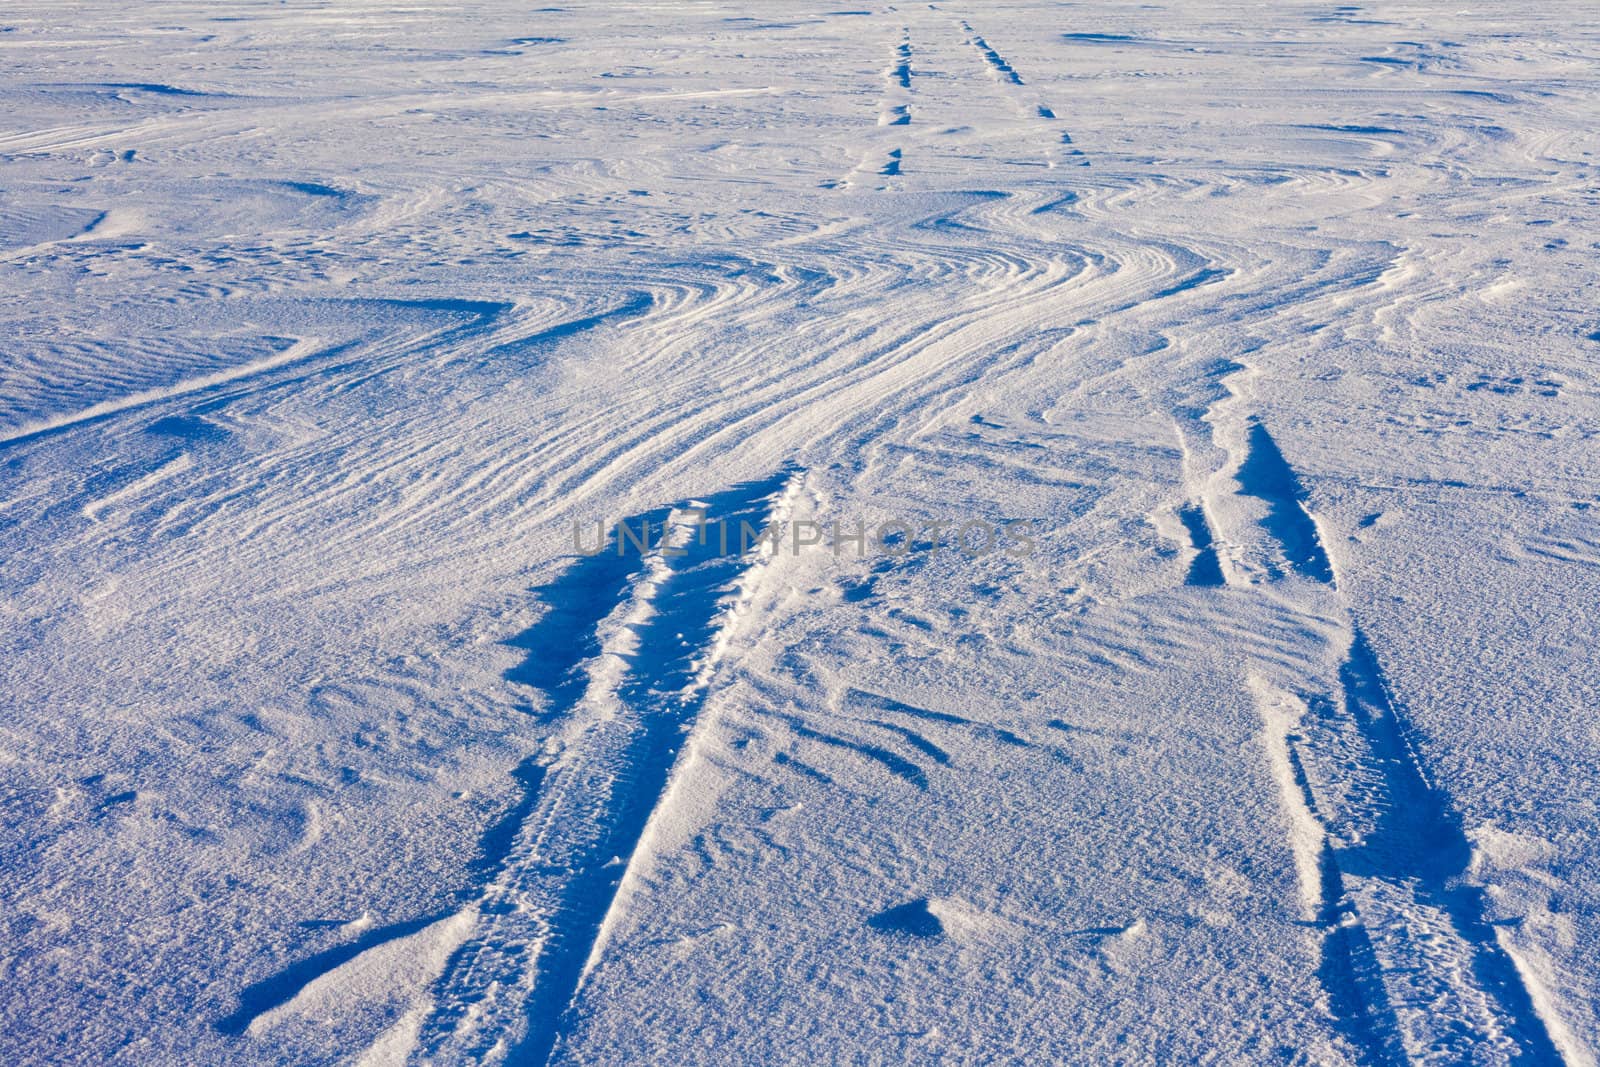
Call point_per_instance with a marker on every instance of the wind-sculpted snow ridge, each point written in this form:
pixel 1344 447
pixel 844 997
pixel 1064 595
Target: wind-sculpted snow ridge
pixel 627 687
pixel 321 322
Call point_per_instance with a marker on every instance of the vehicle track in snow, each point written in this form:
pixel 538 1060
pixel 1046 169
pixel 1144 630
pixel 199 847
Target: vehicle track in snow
pixel 894 110
pixel 1029 106
pixel 627 688
pixel 1412 969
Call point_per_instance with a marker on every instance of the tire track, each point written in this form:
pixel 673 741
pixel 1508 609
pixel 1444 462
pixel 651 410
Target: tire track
pixel 1029 107
pixel 1413 970
pixel 894 110
pixel 630 690
pixel 1003 70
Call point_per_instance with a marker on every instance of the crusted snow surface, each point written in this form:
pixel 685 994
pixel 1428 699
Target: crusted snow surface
pixel 752 532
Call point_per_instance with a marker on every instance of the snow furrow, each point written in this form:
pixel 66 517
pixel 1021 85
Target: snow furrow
pixel 1411 967
pixel 541 918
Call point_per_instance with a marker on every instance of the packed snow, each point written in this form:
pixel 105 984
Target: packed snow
pixel 754 533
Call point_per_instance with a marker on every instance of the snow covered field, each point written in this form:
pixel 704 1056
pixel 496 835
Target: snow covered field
pixel 333 334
